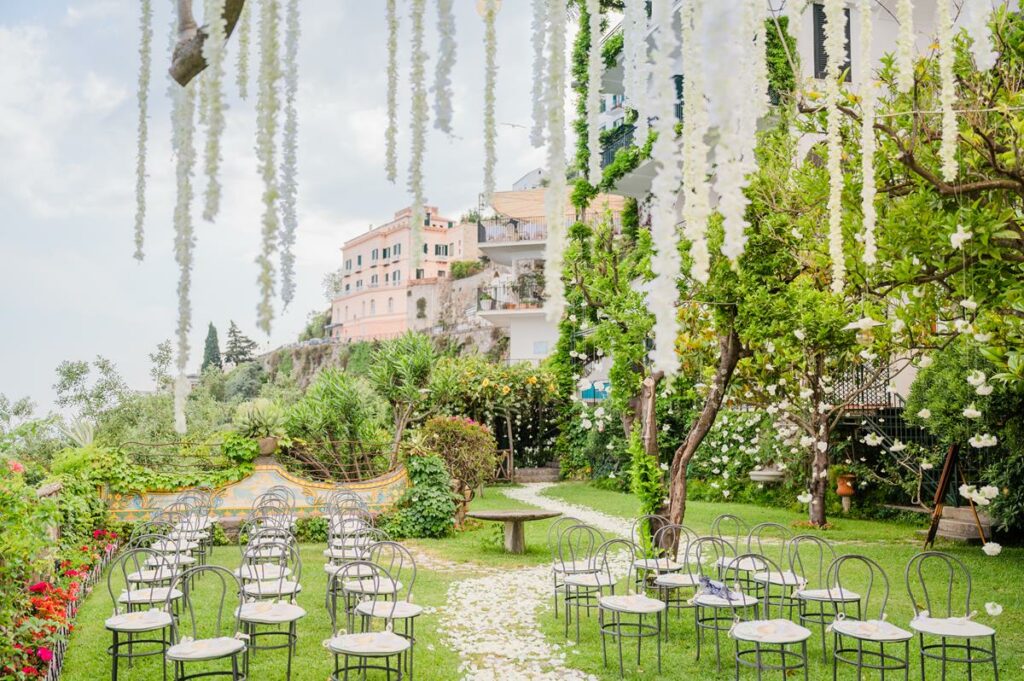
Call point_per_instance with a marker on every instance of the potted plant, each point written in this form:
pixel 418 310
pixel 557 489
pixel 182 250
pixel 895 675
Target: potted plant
pixel 486 301
pixel 263 421
pixel 769 473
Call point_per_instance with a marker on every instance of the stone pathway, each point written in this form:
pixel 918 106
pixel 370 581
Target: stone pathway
pixel 491 620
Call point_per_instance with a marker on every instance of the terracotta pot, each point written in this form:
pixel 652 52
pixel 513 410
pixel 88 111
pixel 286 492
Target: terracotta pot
pixel 268 445
pixel 844 484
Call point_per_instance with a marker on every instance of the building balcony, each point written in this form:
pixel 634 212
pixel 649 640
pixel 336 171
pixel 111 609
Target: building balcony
pixel 501 304
pixel 620 138
pixel 506 240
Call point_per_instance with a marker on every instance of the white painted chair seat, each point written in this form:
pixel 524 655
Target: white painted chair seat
pixel 784 578
pixel 870 630
pixel 150 575
pixel 574 567
pixel 665 564
pixel 350 542
pixel 744 565
pixel 175 559
pixel 777 631
pixel 135 622
pixel 374 586
pixel 205 649
pixel 833 595
pixel 189 535
pixel 377 644
pixel 675 580
pixel 148 596
pixel 266 612
pixel 264 571
pixel 274 587
pixel 589 579
pixel 197 525
pixel 178 546
pixel 403 610
pixel 957 627
pixel 344 553
pixel 357 571
pixel 736 600
pixel 634 604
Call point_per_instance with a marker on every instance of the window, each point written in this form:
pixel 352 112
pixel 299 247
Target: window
pixel 346 288
pixel 359 260
pixel 373 307
pixel 391 305
pixel 441 249
pixel 386 253
pixel 374 280
pixel 397 250
pixel 426 221
pixel 419 273
pixel 396 276
pixel 425 248
pixel 346 313
pixel 348 264
pixel 440 273
pixel 374 254
pixel 820 57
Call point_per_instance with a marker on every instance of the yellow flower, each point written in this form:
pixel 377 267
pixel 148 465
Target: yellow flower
pixel 505 390
pixel 532 380
pixel 551 387
pixel 485 383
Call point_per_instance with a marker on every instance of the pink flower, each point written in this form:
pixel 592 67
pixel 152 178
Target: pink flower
pixel 45 654
pixel 15 466
pixel 39 587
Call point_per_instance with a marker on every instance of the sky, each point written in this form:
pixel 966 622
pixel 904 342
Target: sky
pixel 69 287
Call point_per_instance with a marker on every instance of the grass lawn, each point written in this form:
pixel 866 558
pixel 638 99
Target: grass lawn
pixel 995 579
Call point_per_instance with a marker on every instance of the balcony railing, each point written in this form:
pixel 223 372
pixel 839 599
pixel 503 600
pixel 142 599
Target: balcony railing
pixel 510 230
pixel 620 138
pixel 527 295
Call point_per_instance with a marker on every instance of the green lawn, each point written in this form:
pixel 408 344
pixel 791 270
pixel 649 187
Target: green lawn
pixel 995 579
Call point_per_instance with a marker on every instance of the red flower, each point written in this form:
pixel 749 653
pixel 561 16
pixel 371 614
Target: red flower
pixel 39 587
pixel 29 671
pixel 96 534
pixel 15 466
pixel 45 654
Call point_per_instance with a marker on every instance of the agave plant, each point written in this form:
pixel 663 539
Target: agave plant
pixel 81 432
pixel 260 418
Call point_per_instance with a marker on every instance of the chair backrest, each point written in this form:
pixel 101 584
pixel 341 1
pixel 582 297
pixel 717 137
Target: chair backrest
pixel 673 539
pixel 370 576
pixel 731 528
pixel 399 563
pixel 809 559
pixel 613 555
pixel 861 575
pixel 282 554
pixel 284 492
pixel 736 574
pixel 222 590
pixel 707 555
pixel 642 530
pixel 951 584
pixel 149 529
pixel 139 570
pixel 769 539
pixel 555 530
pixel 577 545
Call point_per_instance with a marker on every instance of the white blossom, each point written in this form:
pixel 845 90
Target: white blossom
pixel 984 389
pixel 244 29
pixel 872 439
pixel 800 335
pixel 989 491
pixel 289 153
pixel 267 105
pixel 805 498
pixel 992 549
pixel 975 18
pixel 865 323
pixel 983 440
pixel 924 413
pixel 417 75
pixel 905 45
pixel 145 67
pixel 947 91
pixel 960 237
pixel 391 131
pixel 214 51
pixel 835 40
pixel 925 361
pixel 927 466
pixel 983 337
pixel 635 63
pixel 538 26
pixel 595 71
pixel 182 143
pixel 696 189
pixel 971 412
pixel 976 378
pixel 554 195
pixel 869 100
pixel 490 79
pixel 443 67
pixel 897 446
pixel 993 609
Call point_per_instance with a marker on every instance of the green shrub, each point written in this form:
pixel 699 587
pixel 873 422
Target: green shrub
pixel 239 448
pixel 466 268
pixel 427 509
pixel 468 450
pixel 259 418
pixel 311 530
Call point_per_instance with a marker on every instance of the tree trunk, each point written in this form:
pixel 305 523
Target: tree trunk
pixel 649 425
pixel 187 60
pixel 729 352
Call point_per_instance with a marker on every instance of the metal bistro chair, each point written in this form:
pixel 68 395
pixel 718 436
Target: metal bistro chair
pixel 577 549
pixel 257 613
pixel 675 587
pixel 226 641
pixel 258 559
pixel 771 540
pixel 399 563
pixel 809 559
pixel 651 557
pixel 616 613
pixel 716 603
pixel 142 609
pixel 736 532
pixel 873 629
pixel 554 534
pixel 772 638
pixel 362 651
pixel 934 614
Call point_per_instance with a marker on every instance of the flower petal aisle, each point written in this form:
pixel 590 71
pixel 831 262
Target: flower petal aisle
pixel 491 620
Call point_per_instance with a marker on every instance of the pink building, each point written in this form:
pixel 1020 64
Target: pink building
pixel 378 277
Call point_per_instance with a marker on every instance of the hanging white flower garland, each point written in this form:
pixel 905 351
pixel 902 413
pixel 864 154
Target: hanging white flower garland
pixel 443 68
pixel 905 45
pixel 975 16
pixel 664 295
pixel 417 75
pixel 267 105
pixel 595 69
pixel 182 142
pixel 289 148
pixel 869 99
pixel 634 50
pixel 555 195
pixel 214 51
pixel 835 40
pixel 391 132
pixel 244 39
pixel 145 67
pixel 490 78
pixel 539 26
pixel 696 204
pixel 947 92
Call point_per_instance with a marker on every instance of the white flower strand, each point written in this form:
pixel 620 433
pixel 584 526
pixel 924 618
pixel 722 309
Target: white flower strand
pixel 664 190
pixel 869 100
pixel 696 204
pixel 835 38
pixel 947 92
pixel 244 46
pixel 905 45
pixel 975 17
pixel 214 51
pixel 289 150
pixel 182 142
pixel 443 68
pixel 267 106
pixel 490 79
pixel 595 69
pixel 145 68
pixel 555 194
pixel 417 73
pixel 391 132
pixel 634 49
pixel 538 25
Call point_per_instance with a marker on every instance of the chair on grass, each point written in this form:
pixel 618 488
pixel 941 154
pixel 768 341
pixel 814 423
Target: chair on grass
pixel 673 580
pixel 577 550
pixel 398 605
pixel 716 602
pixel 366 650
pixel 554 533
pixel 771 540
pixel 860 642
pixel 207 641
pixel 818 600
pixel 142 608
pixel 937 614
pixel 772 639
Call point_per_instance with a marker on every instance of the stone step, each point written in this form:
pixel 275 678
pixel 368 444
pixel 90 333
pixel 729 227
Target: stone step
pixel 960 529
pixel 542 474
